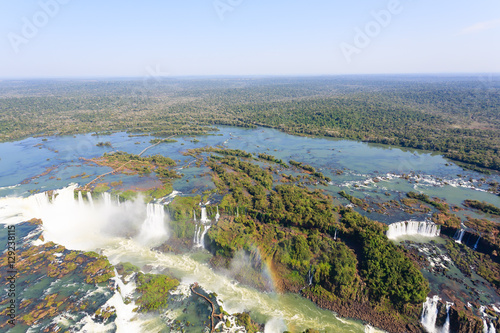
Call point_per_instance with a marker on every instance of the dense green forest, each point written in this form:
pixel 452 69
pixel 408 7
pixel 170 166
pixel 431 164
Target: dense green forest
pixel 456 115
pixel 330 253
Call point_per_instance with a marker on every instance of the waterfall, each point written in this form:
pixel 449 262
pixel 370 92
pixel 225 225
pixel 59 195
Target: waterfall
pixel 446 326
pixel 426 229
pixel 335 236
pixel 204 217
pixel 197 228
pixel 153 227
pixel 41 199
pixel 217 216
pixel 107 199
pixel 460 236
pixel 475 245
pixel 80 199
pixel 310 276
pixel 487 328
pixel 201 228
pixel 201 241
pixel 429 314
pixel 492 328
pixel 90 200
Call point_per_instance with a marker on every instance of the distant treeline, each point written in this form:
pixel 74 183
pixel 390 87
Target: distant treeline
pixel 456 116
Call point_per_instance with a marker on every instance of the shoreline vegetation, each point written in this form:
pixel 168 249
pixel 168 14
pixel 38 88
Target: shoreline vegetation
pixel 435 113
pixel 328 253
pixel 316 249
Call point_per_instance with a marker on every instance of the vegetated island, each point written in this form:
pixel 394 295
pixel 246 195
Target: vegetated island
pixel 455 116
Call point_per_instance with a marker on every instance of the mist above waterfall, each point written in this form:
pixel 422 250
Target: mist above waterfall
pixel 83 223
pixel 153 229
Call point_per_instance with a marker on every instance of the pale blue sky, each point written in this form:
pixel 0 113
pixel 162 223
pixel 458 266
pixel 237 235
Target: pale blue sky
pixel 257 37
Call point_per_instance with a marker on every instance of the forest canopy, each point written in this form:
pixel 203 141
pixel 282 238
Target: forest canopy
pixel 457 116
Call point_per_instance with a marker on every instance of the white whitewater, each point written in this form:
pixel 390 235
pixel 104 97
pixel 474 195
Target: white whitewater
pixel 90 199
pixel 284 311
pixel 406 228
pixel 217 216
pixel 196 230
pixel 127 319
pixel 460 236
pixel 201 228
pixel 77 225
pixel 488 328
pixel 488 324
pixel 446 326
pixel 85 229
pixel 80 199
pixel 429 315
pixel 153 229
pixel 107 199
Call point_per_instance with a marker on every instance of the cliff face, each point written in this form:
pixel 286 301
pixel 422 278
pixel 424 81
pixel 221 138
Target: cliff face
pixel 464 322
pixel 462 319
pixel 363 311
pixel 470 238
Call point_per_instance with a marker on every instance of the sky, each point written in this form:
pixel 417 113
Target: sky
pixel 111 38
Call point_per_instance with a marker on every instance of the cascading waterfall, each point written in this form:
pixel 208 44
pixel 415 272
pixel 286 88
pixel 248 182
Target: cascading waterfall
pixel 201 228
pixel 488 324
pixel 424 228
pixel 153 228
pixel 488 328
pixel 310 276
pixel 80 198
pixel 90 200
pixel 430 313
pixel 446 326
pixel 41 199
pixel 71 220
pixel 80 229
pixel 204 217
pixel 217 216
pixel 197 228
pixel 477 242
pixel 460 236
pixel 107 199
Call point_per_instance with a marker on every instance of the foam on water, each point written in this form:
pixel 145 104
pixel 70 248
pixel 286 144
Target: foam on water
pixel 74 223
pixel 78 227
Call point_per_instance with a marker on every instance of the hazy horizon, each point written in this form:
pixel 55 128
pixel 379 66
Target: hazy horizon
pixel 69 39
pixel 254 76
